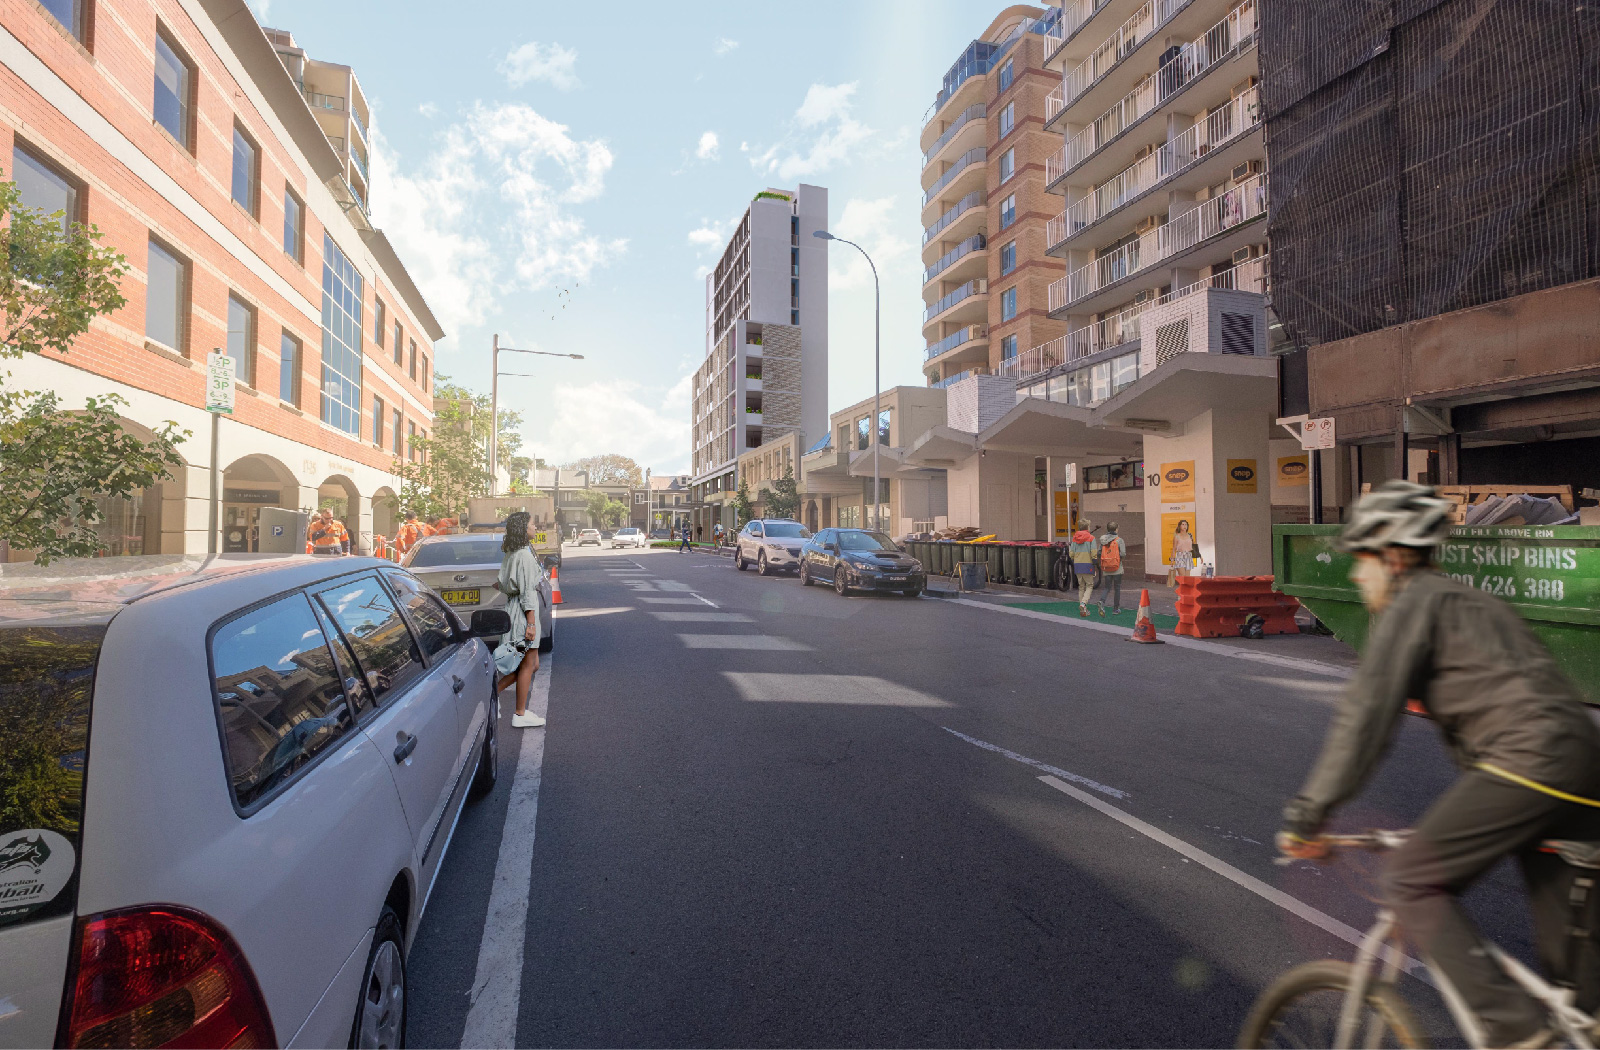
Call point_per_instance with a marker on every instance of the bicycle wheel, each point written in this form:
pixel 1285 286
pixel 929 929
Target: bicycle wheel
pixel 1301 1009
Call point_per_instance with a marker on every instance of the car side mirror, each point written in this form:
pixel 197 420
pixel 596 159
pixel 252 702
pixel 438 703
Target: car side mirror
pixel 831 548
pixel 490 623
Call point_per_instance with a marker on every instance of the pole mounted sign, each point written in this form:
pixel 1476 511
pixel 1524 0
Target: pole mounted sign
pixel 1317 434
pixel 1069 474
pixel 219 382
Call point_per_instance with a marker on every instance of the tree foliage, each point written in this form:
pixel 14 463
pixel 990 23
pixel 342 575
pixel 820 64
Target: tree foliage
pixel 743 509
pixel 603 510
pixel 58 462
pixel 610 469
pixel 783 497
pixel 452 463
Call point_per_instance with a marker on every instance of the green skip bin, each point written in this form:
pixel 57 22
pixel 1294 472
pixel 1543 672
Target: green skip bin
pixel 1548 573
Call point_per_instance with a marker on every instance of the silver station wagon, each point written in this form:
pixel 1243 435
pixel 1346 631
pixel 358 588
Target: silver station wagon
pixel 228 784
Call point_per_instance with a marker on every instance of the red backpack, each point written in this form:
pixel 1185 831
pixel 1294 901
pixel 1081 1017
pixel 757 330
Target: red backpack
pixel 1111 556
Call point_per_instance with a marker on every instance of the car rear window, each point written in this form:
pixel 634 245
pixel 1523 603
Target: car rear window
pixel 457 552
pixel 46 689
pixel 281 696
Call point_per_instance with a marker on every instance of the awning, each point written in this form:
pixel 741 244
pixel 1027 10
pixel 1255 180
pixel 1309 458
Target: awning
pixel 1050 428
pixel 941 446
pixel 1187 386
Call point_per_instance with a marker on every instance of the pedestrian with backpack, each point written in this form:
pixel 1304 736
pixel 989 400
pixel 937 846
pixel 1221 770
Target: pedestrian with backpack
pixel 1113 549
pixel 1083 551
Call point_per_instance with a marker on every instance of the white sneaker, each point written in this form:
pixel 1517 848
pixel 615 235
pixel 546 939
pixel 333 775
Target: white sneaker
pixel 529 721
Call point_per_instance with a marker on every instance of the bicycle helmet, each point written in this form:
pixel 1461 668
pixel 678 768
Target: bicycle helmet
pixel 1397 514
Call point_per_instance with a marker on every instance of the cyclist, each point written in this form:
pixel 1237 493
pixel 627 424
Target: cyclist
pixel 1529 755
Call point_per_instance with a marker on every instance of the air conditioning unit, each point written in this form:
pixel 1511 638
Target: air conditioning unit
pixel 1245 254
pixel 1246 170
pixel 1145 296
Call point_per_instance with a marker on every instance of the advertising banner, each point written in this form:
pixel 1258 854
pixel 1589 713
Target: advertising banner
pixel 1177 482
pixel 1169 528
pixel 1294 471
pixel 1242 477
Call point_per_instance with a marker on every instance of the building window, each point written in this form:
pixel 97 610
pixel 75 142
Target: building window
pixel 1008 211
pixel 341 340
pixel 863 432
pixel 377 421
pixel 1008 164
pixel 794 262
pixel 424 371
pixel 1008 119
pixel 1008 304
pixel 380 320
pixel 174 98
pixel 246 171
pixel 294 227
pixel 70 13
pixel 1008 73
pixel 411 367
pixel 411 441
pixel 291 361
pixel 1008 258
pixel 166 291
pixel 42 188
pixel 885 417
pixel 1008 348
pixel 794 317
pixel 242 340
pixel 396 435
pixel 399 344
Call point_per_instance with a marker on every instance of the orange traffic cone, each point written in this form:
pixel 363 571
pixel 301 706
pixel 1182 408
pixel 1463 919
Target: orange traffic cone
pixel 555 585
pixel 1143 629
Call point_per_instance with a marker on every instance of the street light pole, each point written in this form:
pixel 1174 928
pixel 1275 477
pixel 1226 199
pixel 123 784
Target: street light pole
pixel 494 398
pixel 877 375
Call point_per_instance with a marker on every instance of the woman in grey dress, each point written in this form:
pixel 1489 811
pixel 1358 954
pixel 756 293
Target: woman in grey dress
pixel 517 657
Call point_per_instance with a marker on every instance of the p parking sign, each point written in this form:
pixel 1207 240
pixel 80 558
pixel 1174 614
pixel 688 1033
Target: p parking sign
pixel 219 382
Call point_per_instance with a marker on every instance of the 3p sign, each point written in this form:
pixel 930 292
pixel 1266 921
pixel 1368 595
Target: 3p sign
pixel 1317 434
pixel 219 382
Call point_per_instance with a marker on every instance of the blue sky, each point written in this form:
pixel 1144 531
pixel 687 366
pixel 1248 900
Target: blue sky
pixel 564 173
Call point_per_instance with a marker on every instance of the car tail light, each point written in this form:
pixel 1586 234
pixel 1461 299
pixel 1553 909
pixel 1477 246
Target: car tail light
pixel 156 977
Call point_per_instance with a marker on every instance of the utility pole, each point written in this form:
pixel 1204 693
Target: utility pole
pixel 877 375
pixel 494 399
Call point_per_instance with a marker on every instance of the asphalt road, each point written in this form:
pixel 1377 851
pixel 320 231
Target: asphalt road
pixel 771 816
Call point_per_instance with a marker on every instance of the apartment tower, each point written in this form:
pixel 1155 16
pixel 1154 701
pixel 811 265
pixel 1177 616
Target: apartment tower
pixel 987 275
pixel 765 373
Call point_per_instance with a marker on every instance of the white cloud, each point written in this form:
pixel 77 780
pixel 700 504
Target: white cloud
pixel 551 63
pixel 709 148
pixel 875 226
pixel 262 9
pixel 724 45
pixel 492 211
pixel 429 110
pixel 648 425
pixel 823 134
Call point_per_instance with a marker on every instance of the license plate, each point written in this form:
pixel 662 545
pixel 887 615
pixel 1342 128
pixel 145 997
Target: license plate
pixel 461 597
pixel 896 579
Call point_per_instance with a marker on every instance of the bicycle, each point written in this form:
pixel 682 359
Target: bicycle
pixel 1365 999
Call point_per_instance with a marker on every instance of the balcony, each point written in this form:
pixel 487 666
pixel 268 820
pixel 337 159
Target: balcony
pixel 965 119
pixel 1193 61
pixel 981 56
pixel 948 219
pixel 976 243
pixel 361 164
pixel 968 161
pixel 332 103
pixel 1173 158
pixel 949 381
pixel 360 126
pixel 1208 219
pixel 972 333
pixel 953 299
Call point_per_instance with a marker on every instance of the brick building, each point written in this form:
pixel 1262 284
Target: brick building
pixel 177 128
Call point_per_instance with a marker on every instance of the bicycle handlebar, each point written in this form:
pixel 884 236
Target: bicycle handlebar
pixel 1378 840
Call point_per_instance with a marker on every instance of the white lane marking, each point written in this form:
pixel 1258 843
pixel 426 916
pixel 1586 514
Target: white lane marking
pixel 1291 662
pixel 846 689
pixel 673 585
pixel 701 617
pixel 692 600
pixel 569 613
pixel 742 641
pixel 708 601
pixel 497 984
pixel 1036 764
pixel 1271 894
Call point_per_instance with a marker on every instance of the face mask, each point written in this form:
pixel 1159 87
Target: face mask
pixel 1373 579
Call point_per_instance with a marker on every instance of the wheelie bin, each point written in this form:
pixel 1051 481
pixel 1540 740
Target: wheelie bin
pixel 1045 557
pixel 1008 563
pixel 992 557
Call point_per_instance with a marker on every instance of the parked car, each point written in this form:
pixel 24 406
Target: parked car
pixel 462 570
pixel 661 534
pixel 629 538
pixel 770 544
pixel 241 850
pixel 588 536
pixel 857 559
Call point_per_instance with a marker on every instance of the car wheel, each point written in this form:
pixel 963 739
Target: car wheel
pixel 761 564
pixel 805 575
pixel 381 1010
pixel 738 559
pixel 489 761
pixel 841 588
pixel 915 592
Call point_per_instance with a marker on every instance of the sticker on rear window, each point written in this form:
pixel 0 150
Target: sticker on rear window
pixel 35 865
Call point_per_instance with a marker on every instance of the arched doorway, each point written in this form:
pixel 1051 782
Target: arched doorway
pixel 339 494
pixel 135 524
pixel 248 484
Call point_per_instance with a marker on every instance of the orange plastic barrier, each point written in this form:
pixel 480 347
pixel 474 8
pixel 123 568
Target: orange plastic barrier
pixel 1217 606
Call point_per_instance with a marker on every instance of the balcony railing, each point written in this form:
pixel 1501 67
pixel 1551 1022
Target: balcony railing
pixel 360 125
pixel 977 286
pixel 1119 45
pixel 965 161
pixel 1209 218
pixel 976 243
pixel 1192 61
pixel 948 381
pixel 361 165
pixel 960 208
pixel 1074 13
pixel 317 100
pixel 1216 130
pixel 963 335
pixel 967 116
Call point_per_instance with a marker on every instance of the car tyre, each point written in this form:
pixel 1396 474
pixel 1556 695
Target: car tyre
pixel 381 1009
pixel 488 773
pixel 840 587
pixel 805 575
pixel 761 565
pixel 915 592
pixel 738 559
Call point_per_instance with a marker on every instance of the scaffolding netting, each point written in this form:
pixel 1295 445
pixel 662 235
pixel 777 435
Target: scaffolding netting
pixel 1427 156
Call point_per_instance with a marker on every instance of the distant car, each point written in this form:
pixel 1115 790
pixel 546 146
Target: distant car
pixel 462 571
pixel 770 544
pixel 629 538
pixel 661 534
pixel 588 536
pixel 856 559
pixel 241 852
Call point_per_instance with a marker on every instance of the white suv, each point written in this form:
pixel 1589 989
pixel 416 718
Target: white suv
pixel 630 538
pixel 588 536
pixel 243 775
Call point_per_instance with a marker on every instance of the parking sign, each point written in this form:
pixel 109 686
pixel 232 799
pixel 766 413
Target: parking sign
pixel 219 382
pixel 1317 433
